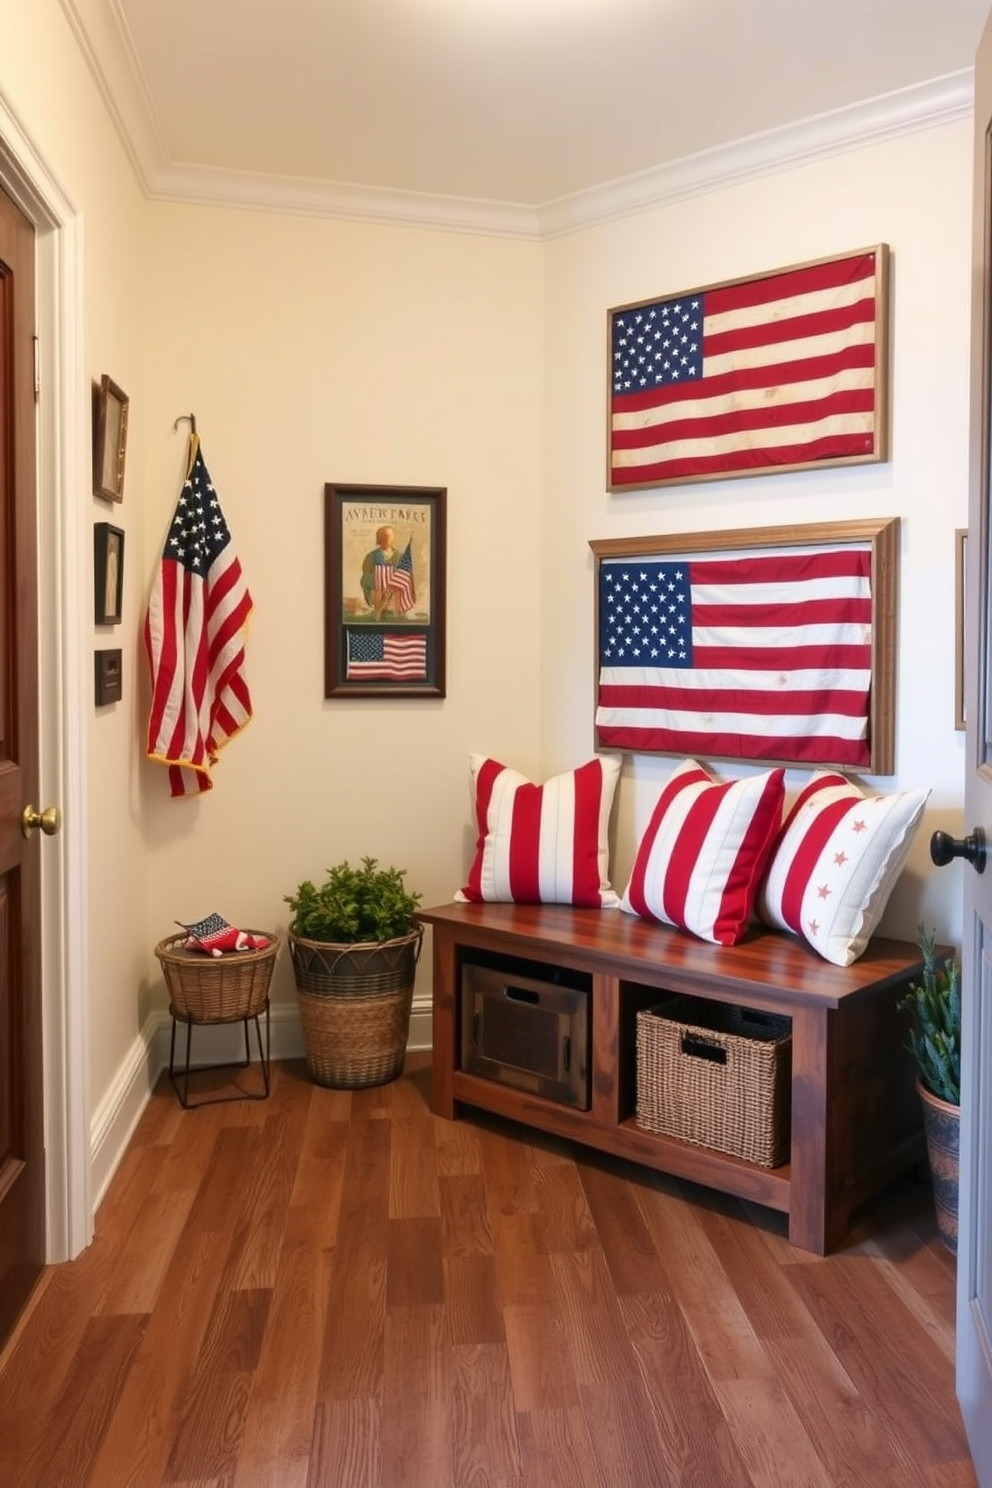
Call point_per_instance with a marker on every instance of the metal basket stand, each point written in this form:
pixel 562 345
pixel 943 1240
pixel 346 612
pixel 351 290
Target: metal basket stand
pixel 233 988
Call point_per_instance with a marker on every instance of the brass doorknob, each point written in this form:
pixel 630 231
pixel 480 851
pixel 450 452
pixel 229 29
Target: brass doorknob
pixel 49 821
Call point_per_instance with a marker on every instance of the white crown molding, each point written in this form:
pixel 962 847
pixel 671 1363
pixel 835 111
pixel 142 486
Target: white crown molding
pixel 105 43
pixel 103 38
pixel 208 186
pixel 941 101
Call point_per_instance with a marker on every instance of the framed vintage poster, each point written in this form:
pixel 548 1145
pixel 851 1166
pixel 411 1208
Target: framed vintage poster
pixel 384 591
pixel 109 439
pixel 108 573
pixel 785 370
pixel 766 643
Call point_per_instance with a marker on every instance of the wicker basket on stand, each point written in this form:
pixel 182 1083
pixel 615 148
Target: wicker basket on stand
pixel 355 1002
pixel 216 989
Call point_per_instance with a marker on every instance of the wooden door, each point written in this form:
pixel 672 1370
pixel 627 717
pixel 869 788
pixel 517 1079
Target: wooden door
pixel 22 1171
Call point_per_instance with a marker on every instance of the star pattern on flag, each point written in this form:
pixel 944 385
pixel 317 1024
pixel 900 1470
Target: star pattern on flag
pixel 199 530
pixel 646 615
pixel 658 345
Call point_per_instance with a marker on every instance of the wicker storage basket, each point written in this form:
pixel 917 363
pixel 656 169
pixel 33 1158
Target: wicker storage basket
pixel 717 1076
pixel 355 1003
pixel 216 989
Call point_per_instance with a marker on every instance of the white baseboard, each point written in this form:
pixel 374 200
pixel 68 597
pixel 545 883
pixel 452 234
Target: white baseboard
pixel 117 1115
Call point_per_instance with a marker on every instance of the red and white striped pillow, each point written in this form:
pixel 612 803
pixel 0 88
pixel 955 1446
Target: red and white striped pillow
pixel 542 844
pixel 702 855
pixel 836 862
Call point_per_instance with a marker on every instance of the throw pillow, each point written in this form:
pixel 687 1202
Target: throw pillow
pixel 542 844
pixel 836 862
pixel 699 863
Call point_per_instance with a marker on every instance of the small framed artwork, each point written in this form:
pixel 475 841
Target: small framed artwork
pixel 110 404
pixel 384 591
pixel 108 573
pixel 108 676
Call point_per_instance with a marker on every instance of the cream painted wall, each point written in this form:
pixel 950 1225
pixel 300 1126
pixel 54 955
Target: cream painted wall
pixel 914 194
pixel 315 351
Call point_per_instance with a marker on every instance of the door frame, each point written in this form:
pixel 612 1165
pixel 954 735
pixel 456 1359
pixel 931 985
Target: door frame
pixel 27 179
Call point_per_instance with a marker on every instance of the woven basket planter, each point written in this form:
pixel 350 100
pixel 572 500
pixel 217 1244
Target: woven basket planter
pixel 355 1003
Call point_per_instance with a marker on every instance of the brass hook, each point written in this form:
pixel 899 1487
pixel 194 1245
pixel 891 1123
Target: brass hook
pixel 192 421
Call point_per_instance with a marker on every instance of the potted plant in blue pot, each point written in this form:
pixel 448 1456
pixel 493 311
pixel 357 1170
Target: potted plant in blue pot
pixel 934 1007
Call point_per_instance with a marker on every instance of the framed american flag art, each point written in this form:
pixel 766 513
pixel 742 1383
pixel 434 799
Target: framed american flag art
pixel 780 371
pixel 384 591
pixel 773 644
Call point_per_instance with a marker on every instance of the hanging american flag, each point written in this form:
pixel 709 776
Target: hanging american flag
pixel 765 374
pixel 194 636
pixel 394 586
pixel 386 656
pixel 763 656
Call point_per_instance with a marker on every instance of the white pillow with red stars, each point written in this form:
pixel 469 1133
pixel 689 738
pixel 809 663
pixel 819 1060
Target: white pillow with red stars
pixel 835 863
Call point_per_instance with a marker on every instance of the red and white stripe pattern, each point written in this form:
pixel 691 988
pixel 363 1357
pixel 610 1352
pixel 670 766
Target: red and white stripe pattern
pixel 194 638
pixel 393 584
pixel 763 655
pixel 700 861
pixel 836 862
pixel 767 373
pixel 542 844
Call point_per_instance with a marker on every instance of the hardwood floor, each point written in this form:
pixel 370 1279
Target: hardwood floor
pixel 332 1289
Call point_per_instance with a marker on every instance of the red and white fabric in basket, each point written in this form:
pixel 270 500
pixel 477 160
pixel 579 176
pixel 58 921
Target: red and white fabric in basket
pixel 214 936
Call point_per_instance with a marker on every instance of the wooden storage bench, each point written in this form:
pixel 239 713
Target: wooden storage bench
pixel 855 1122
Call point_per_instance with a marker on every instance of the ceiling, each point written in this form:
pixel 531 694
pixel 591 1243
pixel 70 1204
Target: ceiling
pixel 498 106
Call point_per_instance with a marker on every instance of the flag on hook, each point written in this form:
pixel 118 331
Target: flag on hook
pixel 194 635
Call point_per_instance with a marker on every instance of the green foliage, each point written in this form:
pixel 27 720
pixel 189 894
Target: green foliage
pixel 354 905
pixel 934 1006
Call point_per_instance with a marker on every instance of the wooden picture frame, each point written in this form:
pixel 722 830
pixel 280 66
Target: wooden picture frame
pixel 695 682
pixel 109 439
pixel 384 591
pixel 781 371
pixel 107 676
pixel 108 573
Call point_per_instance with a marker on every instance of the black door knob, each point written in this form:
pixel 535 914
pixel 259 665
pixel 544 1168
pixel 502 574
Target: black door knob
pixel 943 848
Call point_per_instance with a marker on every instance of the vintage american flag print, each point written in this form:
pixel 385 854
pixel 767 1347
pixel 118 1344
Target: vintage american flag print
pixel 779 372
pixel 386 656
pixel 761 655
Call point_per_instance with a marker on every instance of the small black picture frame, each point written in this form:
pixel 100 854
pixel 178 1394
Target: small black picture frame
pixel 108 573
pixel 110 407
pixel 108 676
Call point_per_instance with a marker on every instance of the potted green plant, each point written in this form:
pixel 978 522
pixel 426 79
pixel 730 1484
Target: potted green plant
pixel 355 945
pixel 934 1007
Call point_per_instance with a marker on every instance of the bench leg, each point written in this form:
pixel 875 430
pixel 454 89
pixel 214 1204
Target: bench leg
pixel 817 1218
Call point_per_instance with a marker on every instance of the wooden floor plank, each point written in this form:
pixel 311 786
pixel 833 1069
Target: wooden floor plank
pixel 64 1452
pixel 416 1421
pixel 888 1355
pixel 540 1357
pixel 555 1451
pixel 699 1449
pixel 483 1422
